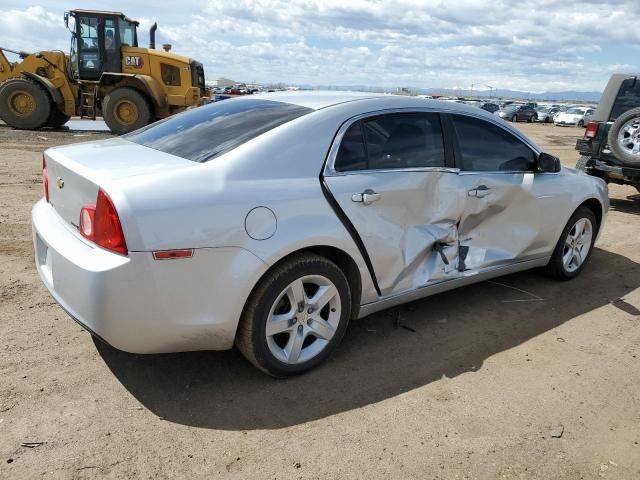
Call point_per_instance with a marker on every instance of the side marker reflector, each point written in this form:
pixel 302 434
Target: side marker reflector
pixel 172 254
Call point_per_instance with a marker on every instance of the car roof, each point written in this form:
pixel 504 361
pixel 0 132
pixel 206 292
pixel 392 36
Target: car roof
pixel 364 101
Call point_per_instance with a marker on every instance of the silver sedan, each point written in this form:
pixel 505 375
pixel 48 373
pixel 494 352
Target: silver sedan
pixel 270 221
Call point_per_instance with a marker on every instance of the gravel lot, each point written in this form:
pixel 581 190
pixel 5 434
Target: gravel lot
pixel 522 377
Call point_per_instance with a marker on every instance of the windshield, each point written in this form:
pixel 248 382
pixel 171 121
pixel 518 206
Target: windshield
pixel 207 132
pixel 543 109
pixel 575 111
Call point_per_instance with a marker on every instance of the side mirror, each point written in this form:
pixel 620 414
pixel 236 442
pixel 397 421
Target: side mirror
pixel 548 163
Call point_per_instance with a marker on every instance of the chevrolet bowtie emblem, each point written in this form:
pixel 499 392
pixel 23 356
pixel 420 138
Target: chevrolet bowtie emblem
pixel 60 183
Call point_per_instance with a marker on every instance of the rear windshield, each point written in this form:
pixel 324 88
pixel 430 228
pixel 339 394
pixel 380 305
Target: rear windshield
pixel 206 132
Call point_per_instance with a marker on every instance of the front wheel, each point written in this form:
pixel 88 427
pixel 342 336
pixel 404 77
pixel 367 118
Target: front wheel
pixel 24 104
pixel 574 246
pixel 580 124
pixel 296 316
pixel 514 118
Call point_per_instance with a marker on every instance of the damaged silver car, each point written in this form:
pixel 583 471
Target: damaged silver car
pixel 270 221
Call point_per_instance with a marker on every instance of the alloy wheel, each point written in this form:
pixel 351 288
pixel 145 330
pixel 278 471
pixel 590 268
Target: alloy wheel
pixel 303 319
pixel 577 245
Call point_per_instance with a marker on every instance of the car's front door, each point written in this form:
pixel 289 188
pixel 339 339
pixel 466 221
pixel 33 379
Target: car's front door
pixel 391 178
pixel 509 208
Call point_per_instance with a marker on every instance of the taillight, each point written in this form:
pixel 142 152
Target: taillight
pixel 100 224
pixel 45 179
pixel 592 130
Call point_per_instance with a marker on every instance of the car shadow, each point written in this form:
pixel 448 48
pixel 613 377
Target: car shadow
pixel 380 357
pixel 630 204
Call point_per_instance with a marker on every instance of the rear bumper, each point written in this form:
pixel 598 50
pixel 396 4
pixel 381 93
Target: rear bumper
pixel 138 304
pixel 612 173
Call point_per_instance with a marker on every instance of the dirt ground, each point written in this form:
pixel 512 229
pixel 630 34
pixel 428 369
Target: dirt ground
pixel 518 378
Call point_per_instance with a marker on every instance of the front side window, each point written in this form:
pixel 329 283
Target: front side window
pixel 89 32
pixel 487 147
pixel 392 141
pixel 212 130
pixel 628 97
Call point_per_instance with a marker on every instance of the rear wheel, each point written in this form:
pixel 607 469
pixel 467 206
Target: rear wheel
pixel 24 104
pixel 296 316
pixel 574 246
pixel 125 110
pixel 581 124
pixel 514 118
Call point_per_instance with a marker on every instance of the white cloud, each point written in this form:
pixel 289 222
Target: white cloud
pixel 529 44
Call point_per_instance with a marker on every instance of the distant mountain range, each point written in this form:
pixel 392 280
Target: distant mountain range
pixel 465 92
pixel 563 95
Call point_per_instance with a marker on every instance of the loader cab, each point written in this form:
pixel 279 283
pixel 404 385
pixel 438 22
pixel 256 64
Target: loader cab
pixel 97 39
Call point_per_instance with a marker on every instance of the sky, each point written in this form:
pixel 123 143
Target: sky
pixel 531 45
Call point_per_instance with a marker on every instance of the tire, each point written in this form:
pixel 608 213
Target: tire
pixel 514 118
pixel 125 110
pixel 558 267
pixel 57 119
pixel 277 291
pixel 630 118
pixel 581 164
pixel 24 104
pixel 580 124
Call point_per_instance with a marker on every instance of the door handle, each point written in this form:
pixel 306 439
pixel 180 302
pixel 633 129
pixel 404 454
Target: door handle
pixel 367 197
pixel 479 192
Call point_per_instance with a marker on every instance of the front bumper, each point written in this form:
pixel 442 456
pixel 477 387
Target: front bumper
pixel 138 304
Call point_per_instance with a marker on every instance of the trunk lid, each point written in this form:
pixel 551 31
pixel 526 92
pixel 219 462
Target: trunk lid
pixel 76 172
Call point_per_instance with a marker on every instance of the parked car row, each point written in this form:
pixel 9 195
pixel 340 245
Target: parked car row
pixel 512 111
pixel 239 89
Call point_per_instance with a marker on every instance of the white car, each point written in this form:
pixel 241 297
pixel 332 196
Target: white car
pixel 574 116
pixel 269 222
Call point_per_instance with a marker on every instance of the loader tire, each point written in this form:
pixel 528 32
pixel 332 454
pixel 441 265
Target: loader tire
pixel 57 119
pixel 125 110
pixel 24 104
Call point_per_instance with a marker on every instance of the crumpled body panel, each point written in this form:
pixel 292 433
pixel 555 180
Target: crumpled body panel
pixel 432 225
pixel 411 231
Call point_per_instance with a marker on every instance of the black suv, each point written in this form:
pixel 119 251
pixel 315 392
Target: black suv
pixel 610 148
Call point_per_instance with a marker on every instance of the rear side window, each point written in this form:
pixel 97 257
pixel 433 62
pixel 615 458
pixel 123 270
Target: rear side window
pixel 392 141
pixel 170 75
pixel 486 147
pixel 628 97
pixel 209 131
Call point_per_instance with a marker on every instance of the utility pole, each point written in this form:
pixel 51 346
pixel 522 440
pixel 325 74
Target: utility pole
pixel 490 90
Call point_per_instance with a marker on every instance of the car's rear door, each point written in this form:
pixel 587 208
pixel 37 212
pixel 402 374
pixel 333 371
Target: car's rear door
pixel 395 185
pixel 509 208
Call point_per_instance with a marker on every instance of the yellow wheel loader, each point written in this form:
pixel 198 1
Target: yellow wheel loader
pixel 105 74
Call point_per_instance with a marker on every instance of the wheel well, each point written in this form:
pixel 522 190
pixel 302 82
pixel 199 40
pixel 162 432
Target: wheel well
pixel 110 84
pixel 596 207
pixel 344 263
